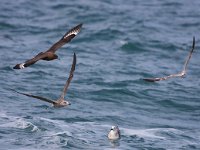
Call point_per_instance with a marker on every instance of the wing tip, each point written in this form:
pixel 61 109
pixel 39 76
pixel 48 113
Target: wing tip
pixel 152 79
pixel 19 66
pixel 74 61
pixel 77 29
pixel 80 25
pixel 16 91
pixel 74 55
pixel 12 90
pixel 73 32
pixel 193 45
pixel 148 80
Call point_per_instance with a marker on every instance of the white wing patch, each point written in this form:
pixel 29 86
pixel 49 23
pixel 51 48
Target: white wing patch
pixel 21 66
pixel 75 32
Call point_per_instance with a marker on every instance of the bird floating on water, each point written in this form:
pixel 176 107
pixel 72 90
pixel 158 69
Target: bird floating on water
pixel 114 133
pixel 61 102
pixel 50 53
pixel 181 74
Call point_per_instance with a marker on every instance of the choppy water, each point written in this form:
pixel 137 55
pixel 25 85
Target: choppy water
pixel 120 43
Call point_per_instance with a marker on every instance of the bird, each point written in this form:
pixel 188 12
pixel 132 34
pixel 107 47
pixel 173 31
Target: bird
pixel 60 102
pixel 180 74
pixel 50 53
pixel 114 133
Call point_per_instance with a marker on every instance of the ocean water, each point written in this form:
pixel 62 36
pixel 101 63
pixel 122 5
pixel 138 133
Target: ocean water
pixel 120 43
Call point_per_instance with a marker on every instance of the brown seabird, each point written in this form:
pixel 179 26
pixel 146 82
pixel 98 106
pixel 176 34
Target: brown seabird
pixel 50 53
pixel 181 74
pixel 61 102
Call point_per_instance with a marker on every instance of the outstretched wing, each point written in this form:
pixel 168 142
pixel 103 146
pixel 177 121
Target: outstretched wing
pixel 181 74
pixel 164 78
pixel 37 97
pixel 69 78
pixel 157 79
pixel 152 79
pixel 30 61
pixel 66 38
pixel 189 56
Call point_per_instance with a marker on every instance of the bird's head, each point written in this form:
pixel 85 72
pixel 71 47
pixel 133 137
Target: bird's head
pixel 55 56
pixel 114 128
pixel 183 73
pixel 114 133
pixel 65 103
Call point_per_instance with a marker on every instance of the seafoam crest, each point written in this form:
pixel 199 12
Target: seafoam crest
pixel 17 122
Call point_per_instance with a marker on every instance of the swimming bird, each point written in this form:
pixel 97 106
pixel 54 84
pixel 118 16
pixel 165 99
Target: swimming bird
pixel 61 102
pixel 50 53
pixel 181 74
pixel 114 133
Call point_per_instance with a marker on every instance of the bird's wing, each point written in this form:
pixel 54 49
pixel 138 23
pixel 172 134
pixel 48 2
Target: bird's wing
pixel 189 56
pixel 66 38
pixel 30 61
pixel 69 78
pixel 35 59
pixel 162 78
pixel 178 74
pixel 152 79
pixel 37 97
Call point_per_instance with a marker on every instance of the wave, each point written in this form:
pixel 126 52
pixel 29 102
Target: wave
pixel 17 122
pixel 155 133
pixel 81 130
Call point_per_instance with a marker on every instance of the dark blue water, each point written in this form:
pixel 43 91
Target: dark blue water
pixel 120 43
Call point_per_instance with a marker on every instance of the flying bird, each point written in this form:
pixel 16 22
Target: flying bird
pixel 50 53
pixel 181 74
pixel 114 133
pixel 61 102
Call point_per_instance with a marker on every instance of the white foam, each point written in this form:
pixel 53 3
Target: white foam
pixel 61 133
pixel 81 130
pixel 48 120
pixel 150 133
pixel 17 122
pixel 20 124
pixel 123 42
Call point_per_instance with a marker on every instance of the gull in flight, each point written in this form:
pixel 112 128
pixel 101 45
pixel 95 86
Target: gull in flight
pixel 50 53
pixel 181 74
pixel 114 133
pixel 61 102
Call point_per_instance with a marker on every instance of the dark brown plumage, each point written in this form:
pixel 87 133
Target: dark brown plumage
pixel 181 74
pixel 61 102
pixel 50 53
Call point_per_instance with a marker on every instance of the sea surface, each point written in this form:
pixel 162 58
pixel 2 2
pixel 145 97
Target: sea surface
pixel 121 42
